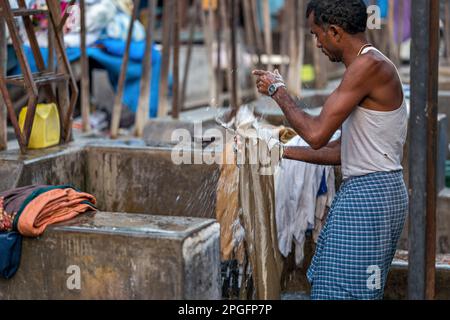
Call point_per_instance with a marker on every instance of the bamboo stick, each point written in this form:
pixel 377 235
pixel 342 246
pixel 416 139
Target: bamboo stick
pixel 85 82
pixel 143 111
pixel 267 32
pixel 166 54
pixel 193 19
pixel 117 111
pixel 176 62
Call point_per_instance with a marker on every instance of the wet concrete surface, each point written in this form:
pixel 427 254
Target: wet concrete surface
pixel 120 256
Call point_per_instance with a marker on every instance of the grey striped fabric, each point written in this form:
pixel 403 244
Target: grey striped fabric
pixel 358 242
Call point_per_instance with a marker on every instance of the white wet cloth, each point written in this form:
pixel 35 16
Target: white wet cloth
pixel 297 207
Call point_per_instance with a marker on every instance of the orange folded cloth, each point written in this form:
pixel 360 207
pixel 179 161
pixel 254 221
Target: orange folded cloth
pixel 52 207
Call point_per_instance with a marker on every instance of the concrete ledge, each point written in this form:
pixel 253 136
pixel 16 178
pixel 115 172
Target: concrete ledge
pixel 120 256
pixel 397 285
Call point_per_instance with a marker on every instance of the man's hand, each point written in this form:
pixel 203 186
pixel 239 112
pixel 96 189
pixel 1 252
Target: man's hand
pixel 264 79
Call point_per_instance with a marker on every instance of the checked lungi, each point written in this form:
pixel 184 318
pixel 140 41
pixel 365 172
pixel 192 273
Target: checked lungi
pixel 359 240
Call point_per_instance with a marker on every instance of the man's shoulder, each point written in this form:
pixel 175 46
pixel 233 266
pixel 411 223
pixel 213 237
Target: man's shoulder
pixel 371 66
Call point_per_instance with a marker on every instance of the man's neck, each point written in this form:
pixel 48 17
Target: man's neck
pixel 351 52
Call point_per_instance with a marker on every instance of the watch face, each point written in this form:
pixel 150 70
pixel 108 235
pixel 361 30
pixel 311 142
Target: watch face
pixel 271 89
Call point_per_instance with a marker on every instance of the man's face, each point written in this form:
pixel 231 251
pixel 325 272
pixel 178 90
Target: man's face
pixel 324 40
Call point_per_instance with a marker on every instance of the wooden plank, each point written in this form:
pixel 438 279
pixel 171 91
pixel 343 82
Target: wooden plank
pixel 85 81
pixel 166 53
pixel 117 109
pixel 143 111
pixel 3 66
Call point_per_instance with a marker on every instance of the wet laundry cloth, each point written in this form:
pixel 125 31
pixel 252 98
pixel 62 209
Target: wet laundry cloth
pixel 299 193
pixel 227 209
pixel 49 206
pixel 258 158
pixel 10 253
pixel 359 238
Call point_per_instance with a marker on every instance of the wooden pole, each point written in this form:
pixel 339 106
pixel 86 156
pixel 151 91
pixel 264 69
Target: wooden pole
pixel 3 66
pixel 117 111
pixel 143 111
pixel 250 35
pixel 401 8
pixel 219 79
pixel 447 30
pixel 85 81
pixel 234 68
pixel 176 62
pixel 393 51
pixel 193 19
pixel 268 32
pixel 168 6
pixel 257 28
pixel 207 27
pixel 225 17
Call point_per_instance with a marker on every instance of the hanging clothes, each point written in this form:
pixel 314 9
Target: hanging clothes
pixel 300 200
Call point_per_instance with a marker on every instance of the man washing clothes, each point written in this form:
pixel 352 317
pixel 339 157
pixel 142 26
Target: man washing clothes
pixel 357 245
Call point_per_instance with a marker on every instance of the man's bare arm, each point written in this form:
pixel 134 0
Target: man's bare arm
pixel 328 156
pixel 317 131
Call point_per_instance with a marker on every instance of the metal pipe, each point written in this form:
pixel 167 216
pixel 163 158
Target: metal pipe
pixel 423 150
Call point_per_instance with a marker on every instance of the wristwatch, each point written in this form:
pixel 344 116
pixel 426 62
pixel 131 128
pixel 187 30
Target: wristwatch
pixel 273 88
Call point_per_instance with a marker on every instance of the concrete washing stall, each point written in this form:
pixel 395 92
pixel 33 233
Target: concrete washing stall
pixel 155 236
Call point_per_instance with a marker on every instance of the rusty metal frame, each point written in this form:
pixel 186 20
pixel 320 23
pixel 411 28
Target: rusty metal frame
pixel 31 82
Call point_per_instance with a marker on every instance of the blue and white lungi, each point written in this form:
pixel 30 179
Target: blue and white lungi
pixel 358 242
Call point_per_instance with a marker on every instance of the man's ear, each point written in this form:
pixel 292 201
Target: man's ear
pixel 336 32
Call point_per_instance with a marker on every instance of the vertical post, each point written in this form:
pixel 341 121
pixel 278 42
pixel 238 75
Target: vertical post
pixel 422 158
pixel 225 19
pixel 256 26
pixel 117 110
pixel 234 69
pixel 219 82
pixel 268 32
pixel 400 31
pixel 447 29
pixel 168 6
pixel 393 51
pixel 176 62
pixel 193 19
pixel 143 111
pixel 85 83
pixel 3 62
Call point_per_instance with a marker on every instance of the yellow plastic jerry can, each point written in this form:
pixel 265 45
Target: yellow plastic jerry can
pixel 46 129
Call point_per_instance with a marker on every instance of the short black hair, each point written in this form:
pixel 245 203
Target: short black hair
pixel 350 15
